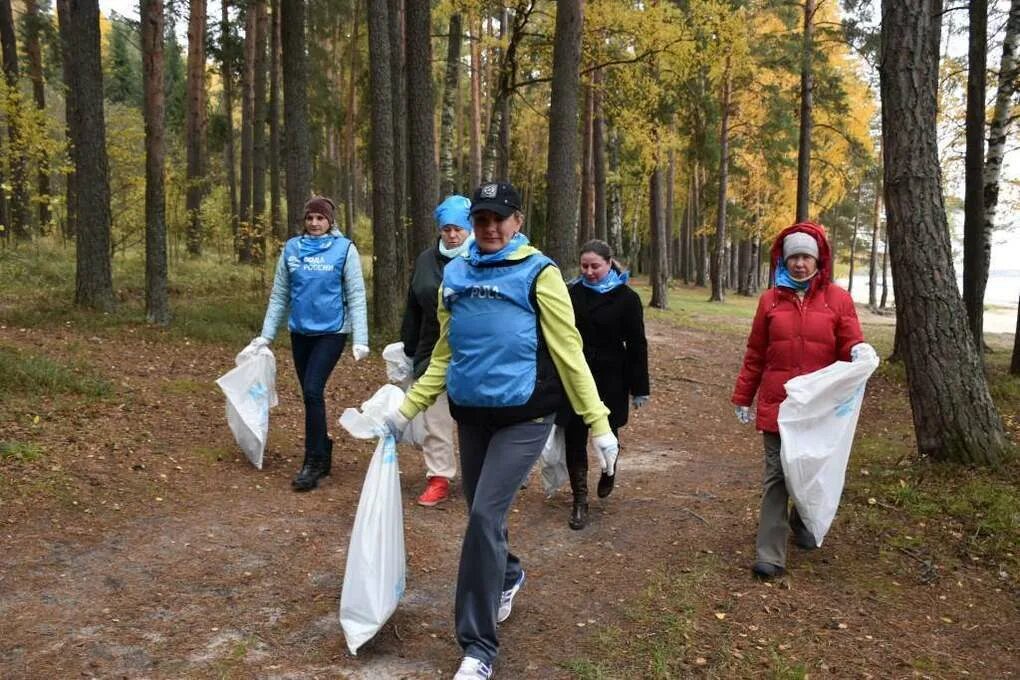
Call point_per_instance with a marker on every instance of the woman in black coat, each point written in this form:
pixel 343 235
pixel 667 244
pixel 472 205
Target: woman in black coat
pixel 610 318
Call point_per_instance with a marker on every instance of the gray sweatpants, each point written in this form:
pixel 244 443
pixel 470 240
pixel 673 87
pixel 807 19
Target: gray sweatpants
pixel 494 462
pixel 776 519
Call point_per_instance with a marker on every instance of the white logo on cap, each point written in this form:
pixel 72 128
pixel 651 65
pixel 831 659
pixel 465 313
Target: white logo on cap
pixel 489 190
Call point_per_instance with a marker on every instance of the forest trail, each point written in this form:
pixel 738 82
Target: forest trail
pixel 147 547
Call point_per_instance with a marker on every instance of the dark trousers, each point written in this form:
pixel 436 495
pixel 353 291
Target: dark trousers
pixel 494 462
pixel 576 441
pixel 314 358
pixel 776 519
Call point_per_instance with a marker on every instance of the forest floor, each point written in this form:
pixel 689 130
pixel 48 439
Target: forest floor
pixel 137 542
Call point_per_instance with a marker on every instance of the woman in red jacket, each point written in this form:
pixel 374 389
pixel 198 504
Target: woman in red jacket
pixel 804 323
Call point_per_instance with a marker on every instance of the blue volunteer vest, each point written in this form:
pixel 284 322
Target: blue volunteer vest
pixel 493 332
pixel 316 285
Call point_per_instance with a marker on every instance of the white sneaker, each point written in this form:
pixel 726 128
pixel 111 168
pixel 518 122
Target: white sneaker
pixel 473 669
pixel 506 601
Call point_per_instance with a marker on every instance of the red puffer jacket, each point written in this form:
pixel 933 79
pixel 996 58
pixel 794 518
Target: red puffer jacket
pixel 791 336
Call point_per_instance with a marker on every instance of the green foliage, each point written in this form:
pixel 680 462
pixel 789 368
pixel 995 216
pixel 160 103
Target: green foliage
pixel 122 63
pixel 25 374
pixel 24 452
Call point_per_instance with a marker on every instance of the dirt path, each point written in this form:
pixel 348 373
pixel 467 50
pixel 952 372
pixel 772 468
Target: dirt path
pixel 145 547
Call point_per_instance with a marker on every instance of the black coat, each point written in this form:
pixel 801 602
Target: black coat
pixel 612 327
pixel 420 328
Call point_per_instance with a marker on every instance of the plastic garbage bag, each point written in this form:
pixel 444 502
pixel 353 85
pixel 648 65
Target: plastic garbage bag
pixel 553 462
pixel 250 389
pixel 400 370
pixel 374 577
pixel 817 421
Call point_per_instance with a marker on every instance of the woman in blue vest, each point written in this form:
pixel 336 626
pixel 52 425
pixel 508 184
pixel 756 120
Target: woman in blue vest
pixel 508 355
pixel 318 278
pixel 610 319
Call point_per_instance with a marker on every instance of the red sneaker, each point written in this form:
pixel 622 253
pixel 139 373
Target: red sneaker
pixel 436 491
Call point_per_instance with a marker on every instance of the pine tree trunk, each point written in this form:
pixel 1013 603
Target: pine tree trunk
pixel 719 240
pixel 33 24
pixel 876 215
pixel 385 288
pixel 853 237
pixel 398 98
pixel 954 417
pixel 806 113
pixel 194 132
pixel 598 142
pixel 260 150
pixel 297 146
pixel 670 208
pixel 586 221
pixel 70 229
pixel 277 226
pixel 79 23
pixel 424 182
pixel 227 78
pixel 350 140
pixel 20 212
pixel 247 227
pixel 685 234
pixel 659 241
pixel 615 202
pixel 975 264
pixel 885 270
pixel 157 303
pixel 561 177
pixel 447 172
pixel 476 109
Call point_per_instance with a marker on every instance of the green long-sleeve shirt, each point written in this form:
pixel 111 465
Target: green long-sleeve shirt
pixel 556 320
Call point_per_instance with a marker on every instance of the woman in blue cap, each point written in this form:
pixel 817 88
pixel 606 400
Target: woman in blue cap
pixel 509 356
pixel 419 333
pixel 318 278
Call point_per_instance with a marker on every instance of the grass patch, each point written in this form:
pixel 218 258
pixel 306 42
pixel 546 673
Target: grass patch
pixel 689 307
pixel 25 374
pixel 24 452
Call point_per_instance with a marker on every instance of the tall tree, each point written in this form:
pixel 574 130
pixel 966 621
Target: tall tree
pixel 659 241
pixel 424 187
pixel 79 26
pixel 614 202
pixel 1014 364
pixel 260 150
pixel 561 194
pixel 20 216
pixel 295 110
pixel 277 226
pixel 385 287
pixel 195 117
pixel 157 302
pixel 70 228
pixel 586 221
pixel 954 417
pixel 496 156
pixel 975 257
pixel 227 55
pixel 876 216
pixel 350 141
pixel 398 98
pixel 853 237
pixel 475 152
pixel 806 106
pixel 447 171
pixel 244 240
pixel 719 240
pixel 35 24
pixel 598 143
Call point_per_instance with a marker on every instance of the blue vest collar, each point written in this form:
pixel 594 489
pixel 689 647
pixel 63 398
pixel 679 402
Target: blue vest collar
pixel 477 257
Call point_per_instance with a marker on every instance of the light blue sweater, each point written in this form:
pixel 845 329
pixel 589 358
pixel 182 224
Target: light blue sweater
pixel 356 317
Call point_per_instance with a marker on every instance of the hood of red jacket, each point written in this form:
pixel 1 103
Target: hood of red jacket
pixel 816 231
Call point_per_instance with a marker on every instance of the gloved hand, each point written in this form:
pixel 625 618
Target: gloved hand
pixel 607 448
pixel 359 351
pixel 862 351
pixel 639 401
pixel 744 415
pixel 254 346
pixel 396 423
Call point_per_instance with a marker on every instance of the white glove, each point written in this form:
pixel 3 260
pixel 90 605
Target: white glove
pixel 253 347
pixel 396 423
pixel 359 351
pixel 639 401
pixel 744 415
pixel 607 448
pixel 862 351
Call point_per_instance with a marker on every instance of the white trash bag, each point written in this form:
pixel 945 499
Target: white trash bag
pixel 817 421
pixel 553 462
pixel 250 389
pixel 400 371
pixel 375 574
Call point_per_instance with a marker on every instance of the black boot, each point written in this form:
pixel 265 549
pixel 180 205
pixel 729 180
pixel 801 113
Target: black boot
pixel 308 477
pixel 327 461
pixel 605 486
pixel 579 512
